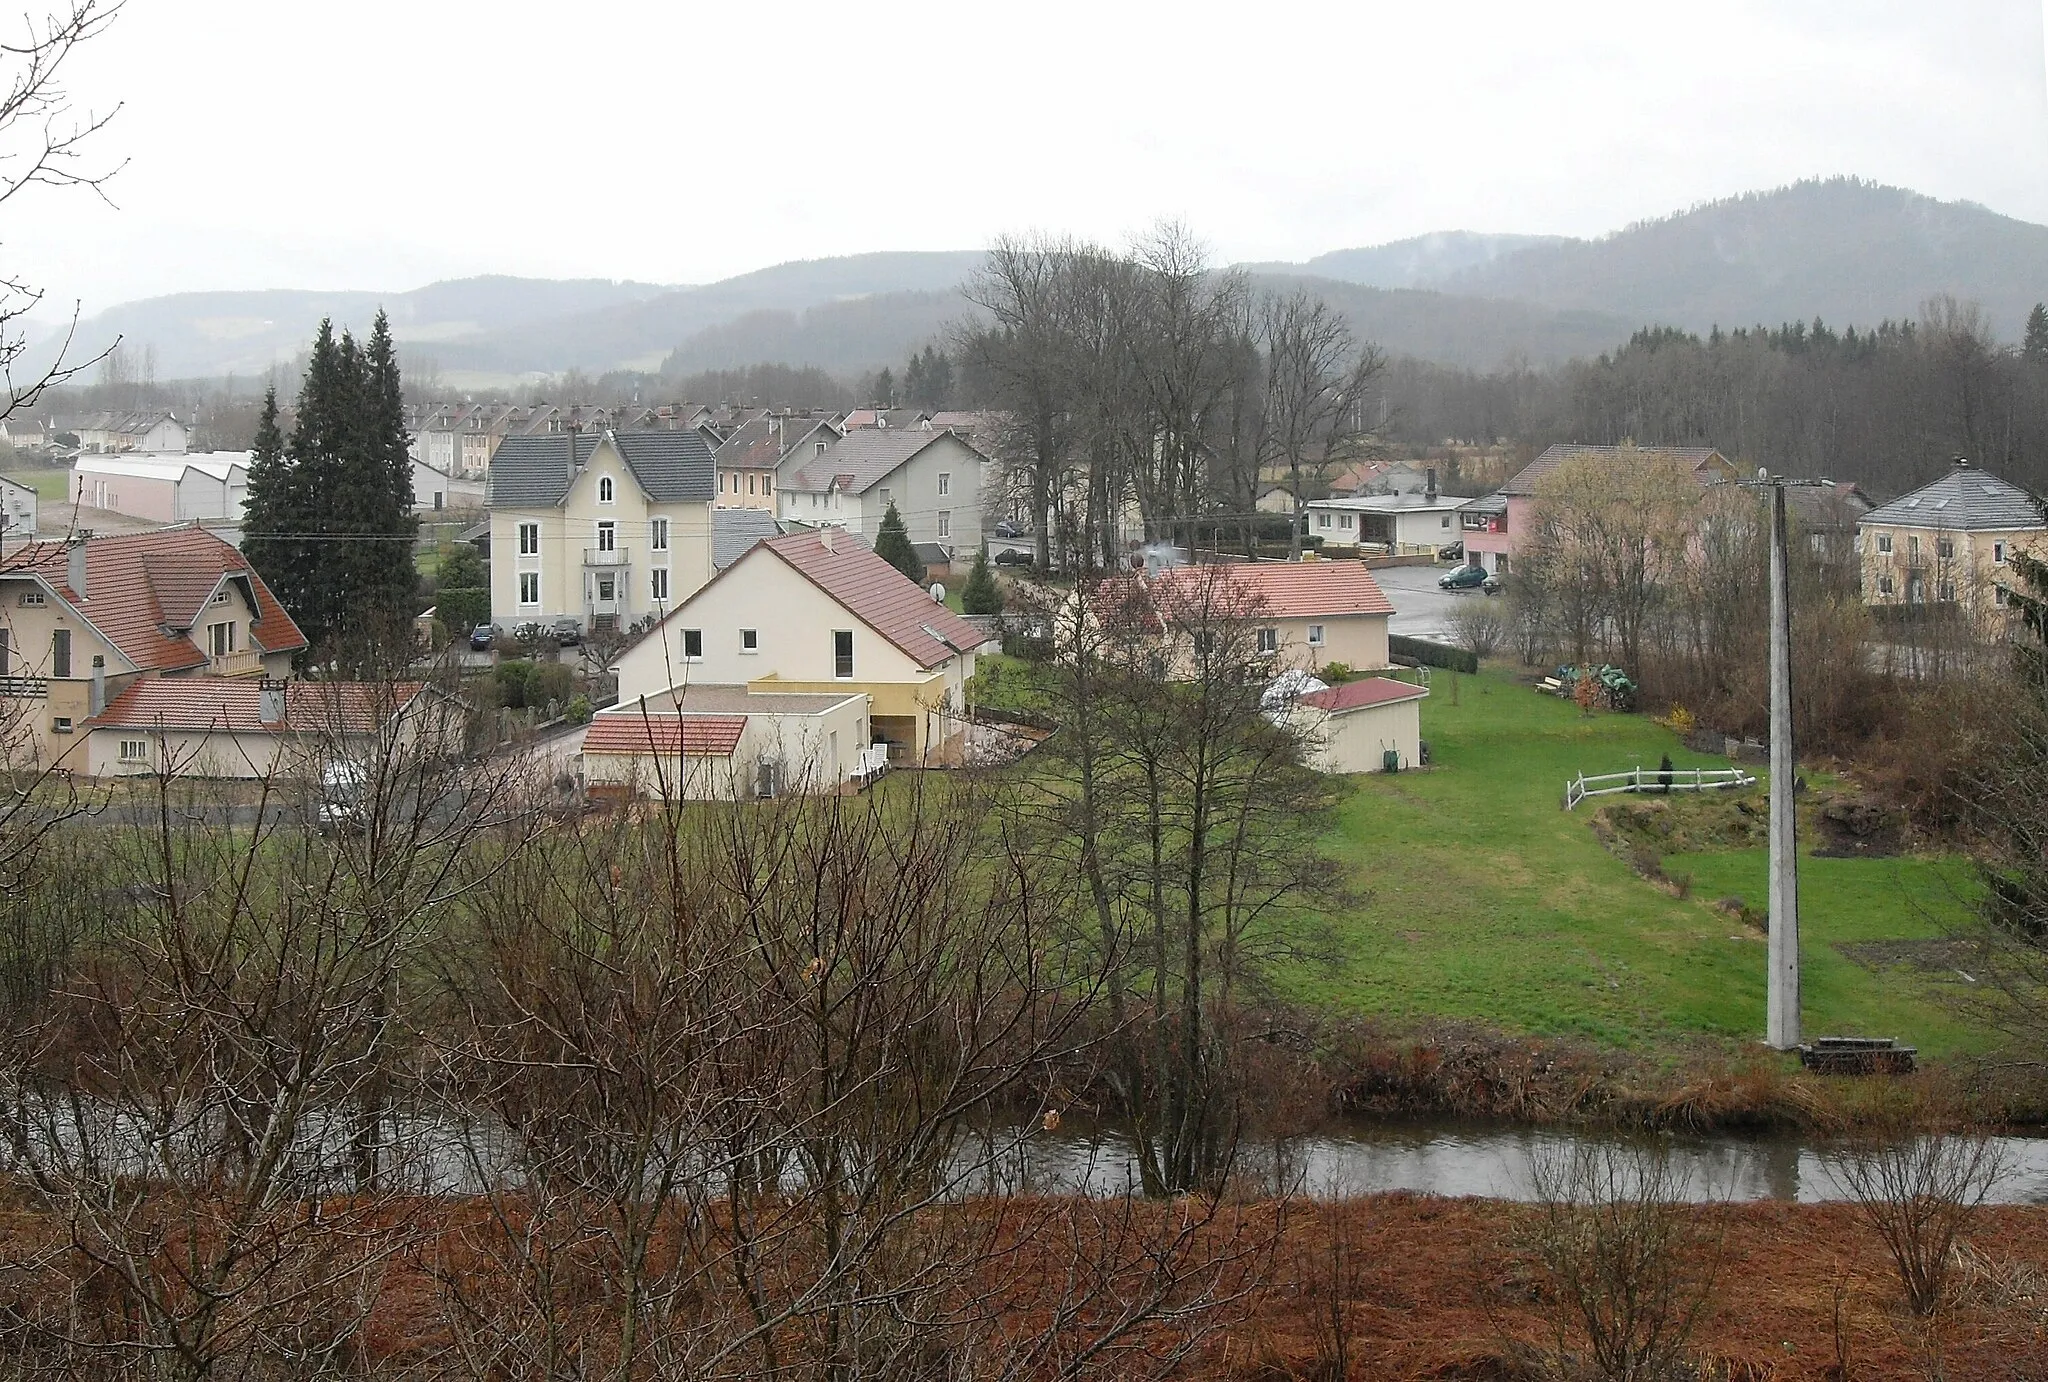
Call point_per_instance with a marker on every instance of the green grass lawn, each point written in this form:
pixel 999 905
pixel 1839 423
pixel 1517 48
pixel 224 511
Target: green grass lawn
pixel 1487 901
pixel 51 486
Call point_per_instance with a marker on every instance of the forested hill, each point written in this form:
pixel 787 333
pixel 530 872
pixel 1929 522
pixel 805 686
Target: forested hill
pixel 1849 252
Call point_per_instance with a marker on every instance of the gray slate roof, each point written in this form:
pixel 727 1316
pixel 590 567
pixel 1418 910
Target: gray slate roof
pixel 866 456
pixel 534 472
pixel 733 531
pixel 1496 502
pixel 1966 499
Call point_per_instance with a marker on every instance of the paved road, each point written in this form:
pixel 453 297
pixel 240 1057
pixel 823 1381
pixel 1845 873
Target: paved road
pixel 1420 609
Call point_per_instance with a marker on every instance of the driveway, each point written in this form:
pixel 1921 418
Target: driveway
pixel 1420 609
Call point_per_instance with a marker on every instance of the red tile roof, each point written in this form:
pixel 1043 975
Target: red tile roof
pixel 233 705
pixel 1356 695
pixel 144 591
pixel 879 595
pixel 1290 590
pixel 693 736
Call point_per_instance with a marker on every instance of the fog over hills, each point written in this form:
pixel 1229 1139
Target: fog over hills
pixel 1848 251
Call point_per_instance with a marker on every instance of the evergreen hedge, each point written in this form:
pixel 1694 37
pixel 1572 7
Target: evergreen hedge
pixel 1431 654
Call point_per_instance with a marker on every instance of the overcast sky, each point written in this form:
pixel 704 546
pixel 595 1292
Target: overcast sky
pixel 381 144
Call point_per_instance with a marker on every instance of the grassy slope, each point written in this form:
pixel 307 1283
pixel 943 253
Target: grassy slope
pixel 1489 902
pixel 51 486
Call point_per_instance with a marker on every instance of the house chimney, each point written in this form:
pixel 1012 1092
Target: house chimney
pixel 74 566
pixel 1429 495
pixel 270 701
pixel 825 536
pixel 99 684
pixel 1962 463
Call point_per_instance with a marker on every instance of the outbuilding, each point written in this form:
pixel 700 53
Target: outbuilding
pixel 1363 726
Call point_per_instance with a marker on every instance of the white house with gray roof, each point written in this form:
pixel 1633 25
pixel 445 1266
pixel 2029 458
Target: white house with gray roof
pixel 1950 542
pixel 600 527
pixel 932 475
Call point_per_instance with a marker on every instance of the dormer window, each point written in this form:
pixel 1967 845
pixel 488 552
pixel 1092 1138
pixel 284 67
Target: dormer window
pixel 604 489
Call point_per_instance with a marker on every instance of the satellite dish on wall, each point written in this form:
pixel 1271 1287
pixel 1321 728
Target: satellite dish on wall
pixel 938 593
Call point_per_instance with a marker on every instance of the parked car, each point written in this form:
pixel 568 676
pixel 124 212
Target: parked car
pixel 1493 585
pixel 1008 528
pixel 529 631
pixel 1013 556
pixel 1464 578
pixel 568 633
pixel 483 638
pixel 1451 551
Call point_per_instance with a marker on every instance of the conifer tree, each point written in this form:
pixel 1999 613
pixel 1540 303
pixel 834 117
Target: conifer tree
pixel 330 517
pixel 981 594
pixel 892 544
pixel 2036 346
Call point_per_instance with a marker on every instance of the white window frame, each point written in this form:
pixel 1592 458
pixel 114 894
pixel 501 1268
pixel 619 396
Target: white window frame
pixel 1884 543
pixel 1315 635
pixel 945 523
pixel 1998 553
pixel 1885 586
pixel 1269 642
pixel 750 642
pixel 1945 548
pixel 529 539
pixel 657 534
pixel 607 492
pixel 220 639
pixel 657 584
pixel 848 674
pixel 945 483
pixel 529 580
pixel 683 645
pixel 607 536
pixel 135 750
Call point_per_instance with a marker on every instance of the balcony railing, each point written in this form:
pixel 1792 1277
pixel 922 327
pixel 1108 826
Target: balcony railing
pixel 605 556
pixel 24 688
pixel 242 664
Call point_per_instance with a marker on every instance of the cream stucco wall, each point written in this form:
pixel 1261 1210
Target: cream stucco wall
pixel 569 533
pixel 1359 641
pixel 746 487
pixel 1974 567
pixel 912 486
pixel 793 621
pixel 1356 741
pixel 814 752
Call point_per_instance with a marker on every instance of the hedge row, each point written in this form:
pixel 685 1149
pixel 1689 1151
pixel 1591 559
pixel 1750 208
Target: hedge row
pixel 1431 654
pixel 462 608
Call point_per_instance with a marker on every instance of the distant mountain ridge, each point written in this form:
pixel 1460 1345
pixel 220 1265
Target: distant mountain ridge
pixel 1849 251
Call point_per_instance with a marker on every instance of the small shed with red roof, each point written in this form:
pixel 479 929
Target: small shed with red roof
pixel 1354 726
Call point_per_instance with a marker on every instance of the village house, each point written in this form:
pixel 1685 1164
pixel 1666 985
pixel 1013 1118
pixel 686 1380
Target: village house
pixel 459 439
pixel 81 621
pixel 255 728
pixel 179 487
pixel 1402 524
pixel 1496 529
pixel 817 613
pixel 1950 542
pixel 750 458
pixel 153 430
pixel 1305 615
pixel 933 477
pixel 602 528
pixel 20 512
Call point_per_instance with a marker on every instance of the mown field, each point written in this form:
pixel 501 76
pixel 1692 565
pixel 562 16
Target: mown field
pixel 1478 898
pixel 1487 901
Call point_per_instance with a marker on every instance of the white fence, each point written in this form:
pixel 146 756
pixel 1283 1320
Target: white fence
pixel 1654 780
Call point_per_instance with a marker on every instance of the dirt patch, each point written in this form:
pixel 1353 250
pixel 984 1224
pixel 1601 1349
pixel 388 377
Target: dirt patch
pixel 1854 827
pixel 1940 955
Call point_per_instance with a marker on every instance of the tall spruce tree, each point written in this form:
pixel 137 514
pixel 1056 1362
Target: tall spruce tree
pixel 981 594
pixel 330 521
pixel 893 545
pixel 2036 344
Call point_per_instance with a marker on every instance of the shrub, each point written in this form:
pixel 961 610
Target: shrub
pixel 577 712
pixel 1679 721
pixel 1337 673
pixel 981 594
pixel 1627 1265
pixel 1432 654
pixel 549 681
pixel 462 608
pixel 1917 1190
pixel 1480 626
pixel 510 678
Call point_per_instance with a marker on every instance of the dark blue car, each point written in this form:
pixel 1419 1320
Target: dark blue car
pixel 1464 578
